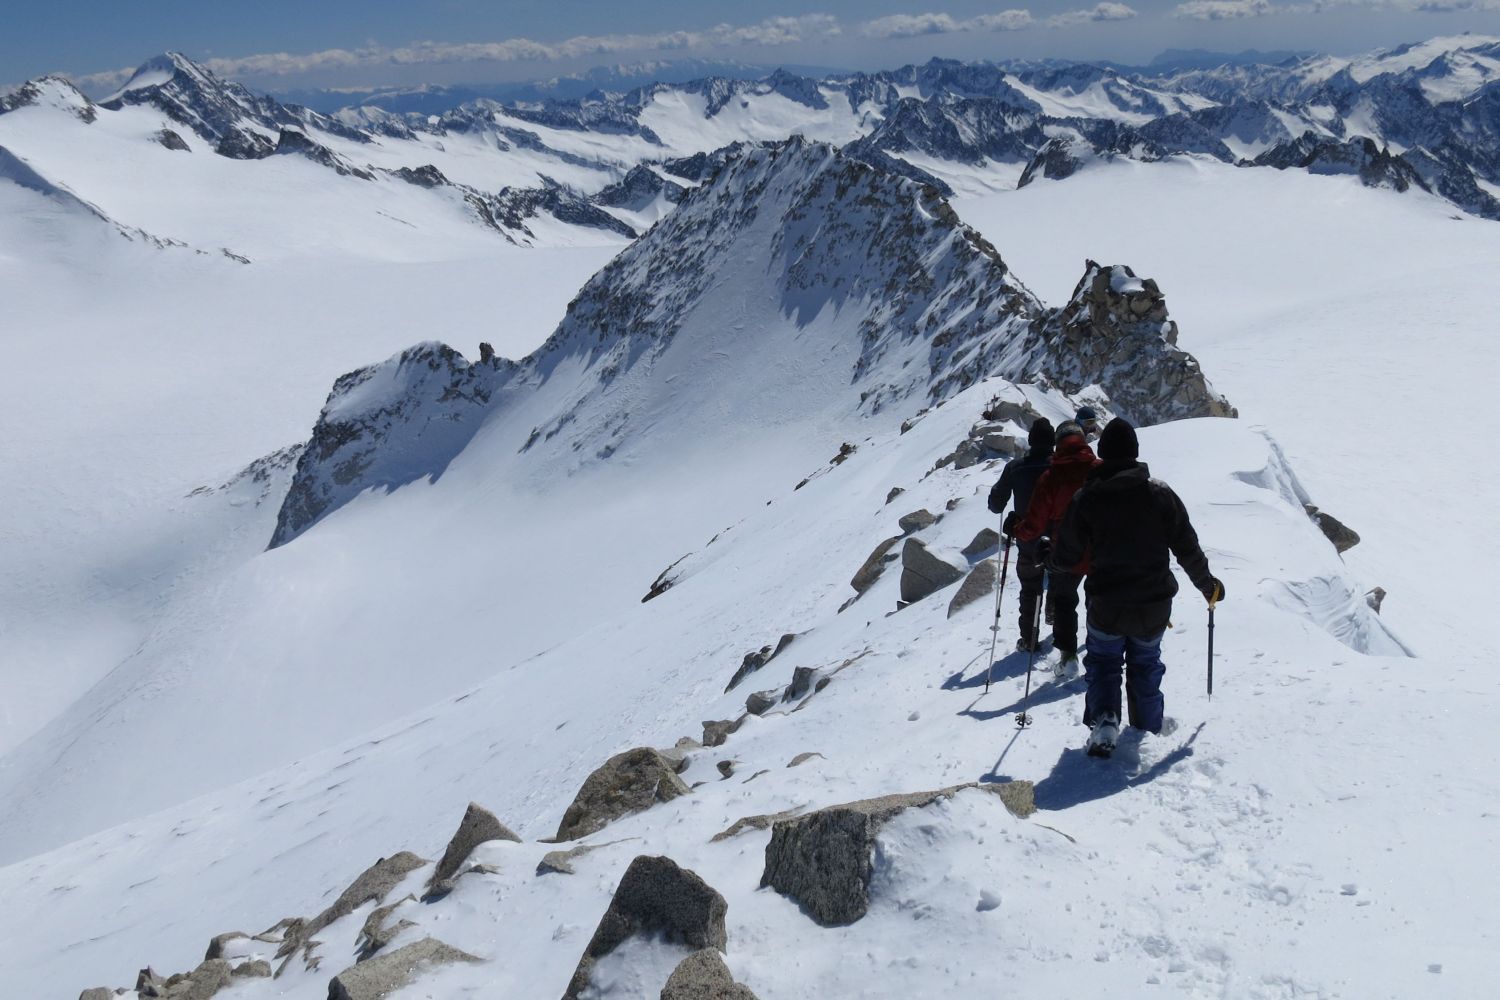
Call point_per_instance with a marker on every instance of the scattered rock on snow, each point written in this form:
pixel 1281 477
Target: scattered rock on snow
pixel 655 897
pixel 824 859
pixel 923 573
pixel 916 521
pixel 202 983
pixel 704 976
pixel 561 862
pixel 753 661
pixel 372 885
pixel 97 993
pixel 376 934
pixel 803 758
pixel 385 974
pixel 895 492
pixel 1375 598
pixel 865 578
pixel 760 822
pixel 716 732
pixel 978 584
pixel 627 783
pixel 726 768
pixel 760 702
pixel 257 969
pixel 1340 534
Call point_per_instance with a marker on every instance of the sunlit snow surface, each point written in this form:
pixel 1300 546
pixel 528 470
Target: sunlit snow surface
pixel 1296 836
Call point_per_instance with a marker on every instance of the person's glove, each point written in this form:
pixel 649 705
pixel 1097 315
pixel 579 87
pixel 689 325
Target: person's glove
pixel 1044 550
pixel 1011 520
pixel 1214 592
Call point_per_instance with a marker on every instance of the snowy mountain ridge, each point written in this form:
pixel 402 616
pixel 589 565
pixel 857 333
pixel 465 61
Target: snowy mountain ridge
pixel 883 289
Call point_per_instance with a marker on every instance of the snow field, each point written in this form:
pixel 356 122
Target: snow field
pixel 1240 856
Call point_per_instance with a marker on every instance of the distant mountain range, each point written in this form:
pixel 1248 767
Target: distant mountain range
pixel 537 164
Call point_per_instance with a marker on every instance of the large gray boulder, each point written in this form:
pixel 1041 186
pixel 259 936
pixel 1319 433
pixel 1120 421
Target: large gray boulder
pixel 979 584
pixel 923 572
pixel 477 826
pixel 385 974
pixel 655 897
pixel 824 859
pixel 627 783
pixel 704 976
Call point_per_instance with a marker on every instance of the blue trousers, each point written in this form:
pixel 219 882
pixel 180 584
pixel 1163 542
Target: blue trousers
pixel 1104 656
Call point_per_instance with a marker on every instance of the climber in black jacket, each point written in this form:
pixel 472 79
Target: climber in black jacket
pixel 1126 524
pixel 1017 480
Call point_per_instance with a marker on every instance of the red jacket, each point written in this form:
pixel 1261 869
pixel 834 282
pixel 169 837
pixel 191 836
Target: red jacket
pixel 1049 501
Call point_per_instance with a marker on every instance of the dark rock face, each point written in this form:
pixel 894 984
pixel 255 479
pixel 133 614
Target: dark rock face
pixel 923 573
pixel 295 142
pixel 639 188
pixel 509 210
pixel 824 859
pixel 171 140
pixel 1375 166
pixel 217 945
pixel 756 659
pixel 704 976
pixel 1340 534
pixel 426 176
pixel 478 825
pixel 655 897
pixel 627 783
pixel 384 974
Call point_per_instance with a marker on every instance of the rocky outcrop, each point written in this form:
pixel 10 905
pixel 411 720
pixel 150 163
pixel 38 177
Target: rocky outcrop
pixel 385 974
pixel 477 826
pixel 97 993
pixel 627 783
pixel 704 976
pixel 824 860
pixel 1115 333
pixel 655 897
pixel 372 885
pixel 979 584
pixel 923 572
pixel 388 425
pixel 1340 534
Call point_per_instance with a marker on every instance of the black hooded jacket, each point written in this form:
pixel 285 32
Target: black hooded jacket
pixel 1018 479
pixel 1126 523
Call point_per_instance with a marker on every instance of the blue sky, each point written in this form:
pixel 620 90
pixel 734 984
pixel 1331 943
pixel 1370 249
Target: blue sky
pixel 359 43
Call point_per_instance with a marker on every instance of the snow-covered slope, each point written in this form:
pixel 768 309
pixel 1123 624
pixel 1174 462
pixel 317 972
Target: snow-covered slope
pixel 472 626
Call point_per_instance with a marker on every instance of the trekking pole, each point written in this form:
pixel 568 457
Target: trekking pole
pixel 1211 602
pixel 995 625
pixel 1023 720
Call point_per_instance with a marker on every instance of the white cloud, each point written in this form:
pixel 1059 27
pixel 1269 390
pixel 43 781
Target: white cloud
pixel 1223 10
pixel 1100 12
pixel 773 31
pixel 933 23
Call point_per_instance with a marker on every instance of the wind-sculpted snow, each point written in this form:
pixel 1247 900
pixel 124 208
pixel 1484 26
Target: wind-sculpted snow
pixel 805 279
